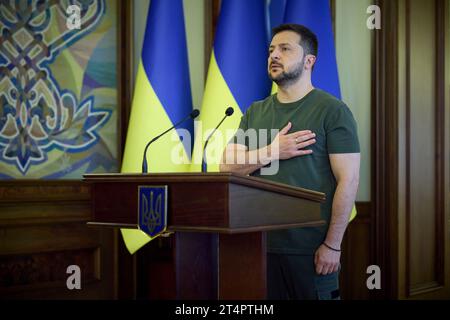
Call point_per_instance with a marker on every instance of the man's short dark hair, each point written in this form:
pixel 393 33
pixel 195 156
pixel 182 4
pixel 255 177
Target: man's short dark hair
pixel 308 40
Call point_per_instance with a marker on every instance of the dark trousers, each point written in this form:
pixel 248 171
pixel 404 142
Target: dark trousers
pixel 293 277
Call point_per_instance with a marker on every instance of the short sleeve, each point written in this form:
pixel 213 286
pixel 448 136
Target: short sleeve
pixel 341 131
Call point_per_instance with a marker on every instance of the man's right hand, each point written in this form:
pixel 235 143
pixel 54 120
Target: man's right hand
pixel 286 146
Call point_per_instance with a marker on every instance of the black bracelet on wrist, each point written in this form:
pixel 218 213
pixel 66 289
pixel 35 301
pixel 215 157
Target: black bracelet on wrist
pixel 331 248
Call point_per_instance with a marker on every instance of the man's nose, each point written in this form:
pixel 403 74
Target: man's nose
pixel 275 54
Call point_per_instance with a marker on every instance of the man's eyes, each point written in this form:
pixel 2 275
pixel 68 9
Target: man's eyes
pixel 282 49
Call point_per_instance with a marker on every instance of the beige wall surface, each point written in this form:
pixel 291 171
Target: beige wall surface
pixel 353 53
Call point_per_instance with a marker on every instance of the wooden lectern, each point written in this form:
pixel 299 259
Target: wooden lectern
pixel 219 222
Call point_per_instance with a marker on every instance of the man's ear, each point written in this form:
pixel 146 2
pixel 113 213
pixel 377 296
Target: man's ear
pixel 310 61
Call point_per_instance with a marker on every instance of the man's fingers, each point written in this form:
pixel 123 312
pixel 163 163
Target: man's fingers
pixel 319 267
pixel 336 267
pixel 297 134
pixel 302 137
pixel 330 268
pixel 302 152
pixel 302 145
pixel 286 128
pixel 290 146
pixel 324 269
pixel 317 262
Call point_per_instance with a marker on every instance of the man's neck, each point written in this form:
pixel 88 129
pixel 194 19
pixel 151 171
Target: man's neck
pixel 295 91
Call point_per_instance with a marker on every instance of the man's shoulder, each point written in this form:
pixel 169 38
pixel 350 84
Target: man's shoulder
pixel 264 103
pixel 328 101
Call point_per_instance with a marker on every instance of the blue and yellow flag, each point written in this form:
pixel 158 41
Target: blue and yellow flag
pixel 237 75
pixel 316 16
pixel 162 96
pixel 276 9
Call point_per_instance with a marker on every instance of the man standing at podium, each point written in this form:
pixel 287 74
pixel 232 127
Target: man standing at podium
pixel 317 148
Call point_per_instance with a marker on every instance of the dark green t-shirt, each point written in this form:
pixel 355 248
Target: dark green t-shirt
pixel 335 128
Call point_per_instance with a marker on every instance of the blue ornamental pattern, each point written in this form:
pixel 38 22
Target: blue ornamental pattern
pixel 36 115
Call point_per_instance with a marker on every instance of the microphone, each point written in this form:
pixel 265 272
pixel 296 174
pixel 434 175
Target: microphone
pixel 228 113
pixel 194 114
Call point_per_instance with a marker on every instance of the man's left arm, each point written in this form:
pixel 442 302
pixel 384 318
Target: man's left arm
pixel 345 168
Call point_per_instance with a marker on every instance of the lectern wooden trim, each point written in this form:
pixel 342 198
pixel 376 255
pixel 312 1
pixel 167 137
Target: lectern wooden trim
pixel 219 221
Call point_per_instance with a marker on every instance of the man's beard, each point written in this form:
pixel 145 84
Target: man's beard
pixel 285 79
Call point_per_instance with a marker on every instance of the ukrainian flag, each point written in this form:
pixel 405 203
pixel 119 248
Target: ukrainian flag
pixel 276 9
pixel 316 16
pixel 237 75
pixel 162 96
